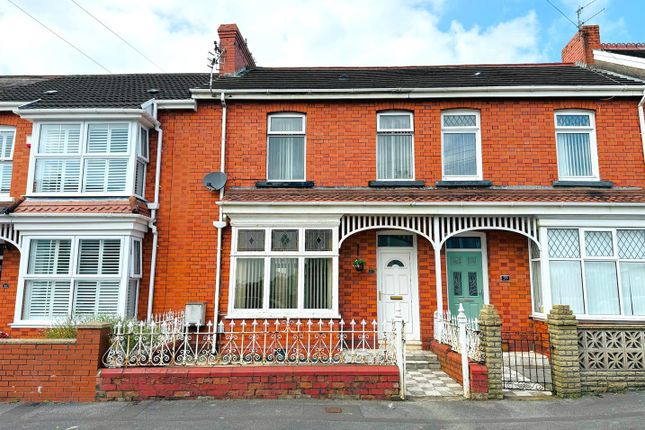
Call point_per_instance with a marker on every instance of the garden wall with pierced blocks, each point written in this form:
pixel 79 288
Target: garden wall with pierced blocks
pixel 261 382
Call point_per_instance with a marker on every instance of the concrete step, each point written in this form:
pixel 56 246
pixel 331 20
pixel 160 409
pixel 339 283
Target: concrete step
pixel 417 360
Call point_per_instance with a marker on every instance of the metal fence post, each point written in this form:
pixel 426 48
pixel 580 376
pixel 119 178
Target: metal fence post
pixel 463 344
pixel 400 348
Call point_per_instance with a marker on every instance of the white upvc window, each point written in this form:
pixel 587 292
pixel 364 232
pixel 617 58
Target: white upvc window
pixel 142 159
pixel 284 272
pixel 87 158
pixel 461 145
pixel 286 142
pixel 575 134
pixel 134 280
pixel 598 272
pixel 394 146
pixel 7 143
pixel 73 276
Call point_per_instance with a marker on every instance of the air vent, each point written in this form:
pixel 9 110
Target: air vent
pixel 49 92
pixel 153 90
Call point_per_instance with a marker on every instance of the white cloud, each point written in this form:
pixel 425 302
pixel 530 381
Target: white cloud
pixel 178 34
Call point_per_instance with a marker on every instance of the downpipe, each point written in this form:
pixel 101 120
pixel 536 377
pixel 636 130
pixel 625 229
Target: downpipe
pixel 220 223
pixel 641 117
pixel 153 223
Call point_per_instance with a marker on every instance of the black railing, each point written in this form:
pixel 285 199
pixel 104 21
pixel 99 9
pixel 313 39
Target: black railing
pixel 526 364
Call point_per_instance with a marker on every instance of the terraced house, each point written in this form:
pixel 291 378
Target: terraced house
pixel 351 192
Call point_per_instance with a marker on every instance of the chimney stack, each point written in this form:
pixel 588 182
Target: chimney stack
pixel 580 47
pixel 235 54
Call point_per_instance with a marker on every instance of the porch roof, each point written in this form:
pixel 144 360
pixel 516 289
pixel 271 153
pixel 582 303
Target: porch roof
pixel 111 206
pixel 430 195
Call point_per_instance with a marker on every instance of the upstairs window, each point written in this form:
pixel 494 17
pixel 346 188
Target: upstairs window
pixel 394 146
pixel 576 146
pixel 286 147
pixel 462 153
pixel 90 158
pixel 7 141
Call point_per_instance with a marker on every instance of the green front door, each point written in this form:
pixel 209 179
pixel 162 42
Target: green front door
pixel 465 282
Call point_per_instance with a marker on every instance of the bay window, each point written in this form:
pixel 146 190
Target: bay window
pixel 280 272
pixel 286 147
pixel 576 145
pixel 597 271
pixel 461 145
pixel 79 276
pixel 90 158
pixel 394 146
pixel 7 142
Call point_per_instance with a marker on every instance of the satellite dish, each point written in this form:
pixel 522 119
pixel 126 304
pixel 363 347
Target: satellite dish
pixel 215 181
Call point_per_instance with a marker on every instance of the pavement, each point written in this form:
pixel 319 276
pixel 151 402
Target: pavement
pixel 610 411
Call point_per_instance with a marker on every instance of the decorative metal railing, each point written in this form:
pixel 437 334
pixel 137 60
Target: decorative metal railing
pixel 446 331
pixel 169 341
pixel 611 348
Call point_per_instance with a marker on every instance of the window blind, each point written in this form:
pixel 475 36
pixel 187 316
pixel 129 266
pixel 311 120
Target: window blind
pixel 107 138
pixel 49 257
pixel 59 139
pixel 46 299
pixel 105 175
pixel 99 256
pixel 57 175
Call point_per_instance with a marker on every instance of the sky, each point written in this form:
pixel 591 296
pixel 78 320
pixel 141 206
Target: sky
pixel 176 35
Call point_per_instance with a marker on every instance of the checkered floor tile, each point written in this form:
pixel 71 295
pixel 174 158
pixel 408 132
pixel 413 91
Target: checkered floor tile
pixel 431 383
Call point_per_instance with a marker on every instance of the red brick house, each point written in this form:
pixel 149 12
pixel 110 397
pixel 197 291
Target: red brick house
pixel 516 185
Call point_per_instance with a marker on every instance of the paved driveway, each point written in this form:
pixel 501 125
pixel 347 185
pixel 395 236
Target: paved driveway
pixel 619 411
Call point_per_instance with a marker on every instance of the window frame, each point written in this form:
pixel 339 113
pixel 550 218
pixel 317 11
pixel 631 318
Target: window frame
pixel 593 145
pixel 302 133
pixel 267 254
pixel 83 155
pixel 546 259
pixel 479 175
pixel 398 130
pixel 9 159
pixel 72 276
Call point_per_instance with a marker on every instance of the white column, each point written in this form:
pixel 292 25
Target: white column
pixel 463 345
pixel 437 264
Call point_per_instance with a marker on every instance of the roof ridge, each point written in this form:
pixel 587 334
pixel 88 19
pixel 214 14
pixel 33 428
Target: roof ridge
pixel 413 67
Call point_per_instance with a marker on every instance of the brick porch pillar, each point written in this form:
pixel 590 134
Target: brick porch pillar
pixel 490 326
pixel 563 332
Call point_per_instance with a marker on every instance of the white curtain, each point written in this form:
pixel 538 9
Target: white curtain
pixel 283 289
pixel 574 154
pixel 318 272
pixel 286 158
pixel 632 276
pixel 602 288
pixel 249 283
pixel 394 156
pixel 566 285
pixel 460 154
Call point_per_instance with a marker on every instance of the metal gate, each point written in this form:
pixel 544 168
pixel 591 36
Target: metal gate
pixel 526 364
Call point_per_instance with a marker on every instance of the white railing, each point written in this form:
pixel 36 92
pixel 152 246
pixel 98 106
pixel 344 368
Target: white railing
pixel 462 334
pixel 167 341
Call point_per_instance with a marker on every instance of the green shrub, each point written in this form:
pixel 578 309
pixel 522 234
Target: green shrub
pixel 66 328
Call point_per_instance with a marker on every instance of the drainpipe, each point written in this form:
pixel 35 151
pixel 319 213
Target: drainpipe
pixel 221 223
pixel 641 117
pixel 153 221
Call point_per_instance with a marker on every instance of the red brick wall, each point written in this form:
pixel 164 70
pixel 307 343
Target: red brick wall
pixel 518 140
pixel 450 362
pixel 580 47
pixel 20 154
pixel 49 370
pixel 272 382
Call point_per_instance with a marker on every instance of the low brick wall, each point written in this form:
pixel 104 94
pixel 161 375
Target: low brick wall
pixel 450 362
pixel 261 382
pixel 59 370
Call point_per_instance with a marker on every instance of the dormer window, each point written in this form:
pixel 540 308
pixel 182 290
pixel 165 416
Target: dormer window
pixel 286 147
pixel 89 158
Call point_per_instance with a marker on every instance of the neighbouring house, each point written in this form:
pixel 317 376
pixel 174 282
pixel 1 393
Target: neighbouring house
pixel 519 185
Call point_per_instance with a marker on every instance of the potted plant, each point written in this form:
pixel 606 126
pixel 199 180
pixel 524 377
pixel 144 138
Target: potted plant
pixel 359 265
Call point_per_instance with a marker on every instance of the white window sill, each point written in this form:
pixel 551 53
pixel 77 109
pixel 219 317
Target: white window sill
pixel 598 318
pixel 32 324
pixel 6 198
pixel 302 316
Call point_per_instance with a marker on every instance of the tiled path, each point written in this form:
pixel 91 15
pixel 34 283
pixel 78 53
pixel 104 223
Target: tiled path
pixel 431 383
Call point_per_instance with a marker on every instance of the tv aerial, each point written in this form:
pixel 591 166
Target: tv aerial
pixel 213 60
pixel 579 19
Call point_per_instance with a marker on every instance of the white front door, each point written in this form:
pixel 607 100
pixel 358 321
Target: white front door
pixel 397 287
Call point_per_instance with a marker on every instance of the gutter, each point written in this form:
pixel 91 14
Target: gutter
pixel 102 113
pixel 221 223
pixel 487 91
pixel 641 117
pixel 154 207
